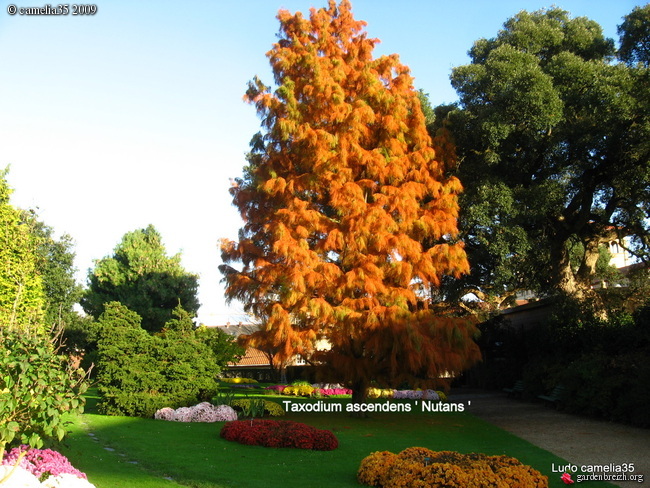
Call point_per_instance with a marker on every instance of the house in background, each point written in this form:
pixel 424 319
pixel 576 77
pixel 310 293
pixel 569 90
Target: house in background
pixel 258 364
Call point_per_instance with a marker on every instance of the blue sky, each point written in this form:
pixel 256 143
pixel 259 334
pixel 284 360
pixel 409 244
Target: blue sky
pixel 134 116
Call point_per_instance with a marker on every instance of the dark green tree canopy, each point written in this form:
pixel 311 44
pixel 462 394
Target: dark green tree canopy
pixel 552 134
pixel 142 277
pixel 635 37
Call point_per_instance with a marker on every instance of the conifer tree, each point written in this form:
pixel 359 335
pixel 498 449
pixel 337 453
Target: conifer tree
pixel 341 191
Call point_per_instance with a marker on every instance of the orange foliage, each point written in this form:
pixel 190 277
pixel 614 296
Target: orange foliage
pixel 349 217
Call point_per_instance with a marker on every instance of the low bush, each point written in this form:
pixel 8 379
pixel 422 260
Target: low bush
pixel 279 433
pixel 421 467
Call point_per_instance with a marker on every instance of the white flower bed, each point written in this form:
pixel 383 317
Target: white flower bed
pixel 203 412
pixel 21 478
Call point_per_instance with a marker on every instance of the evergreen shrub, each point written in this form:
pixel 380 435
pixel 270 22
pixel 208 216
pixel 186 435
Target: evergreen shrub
pixel 140 373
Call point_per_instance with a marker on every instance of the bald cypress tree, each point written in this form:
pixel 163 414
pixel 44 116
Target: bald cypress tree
pixel 342 189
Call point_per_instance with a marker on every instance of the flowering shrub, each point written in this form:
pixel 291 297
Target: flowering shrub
pixel 299 390
pixel 317 390
pixel 203 412
pixel 37 465
pixel 279 433
pixel 271 408
pixel 407 394
pixel 41 462
pixel 417 395
pixel 380 393
pixel 239 380
pixel 418 466
pixel 334 391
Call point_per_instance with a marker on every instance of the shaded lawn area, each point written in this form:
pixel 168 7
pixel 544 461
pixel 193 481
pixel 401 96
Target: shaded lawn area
pixel 193 454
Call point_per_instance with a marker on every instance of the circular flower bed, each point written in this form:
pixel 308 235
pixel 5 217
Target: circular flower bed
pixel 418 466
pixel 40 468
pixel 203 412
pixel 279 433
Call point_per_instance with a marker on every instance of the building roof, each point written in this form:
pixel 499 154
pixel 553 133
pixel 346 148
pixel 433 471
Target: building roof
pixel 238 329
pixel 253 357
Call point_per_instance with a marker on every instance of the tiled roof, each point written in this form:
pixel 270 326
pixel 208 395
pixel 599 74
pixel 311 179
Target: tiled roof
pixel 253 357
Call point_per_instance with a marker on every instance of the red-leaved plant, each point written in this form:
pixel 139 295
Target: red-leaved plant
pixel 279 433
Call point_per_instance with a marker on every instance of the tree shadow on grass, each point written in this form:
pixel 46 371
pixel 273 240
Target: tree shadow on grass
pixel 195 455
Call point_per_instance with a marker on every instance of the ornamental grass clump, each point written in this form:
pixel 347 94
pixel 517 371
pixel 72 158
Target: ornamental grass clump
pixel 279 433
pixel 259 407
pixel 421 467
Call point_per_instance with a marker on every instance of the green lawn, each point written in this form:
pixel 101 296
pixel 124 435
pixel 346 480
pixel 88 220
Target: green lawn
pixel 143 453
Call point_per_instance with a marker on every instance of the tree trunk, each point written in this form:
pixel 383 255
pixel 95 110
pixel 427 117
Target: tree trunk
pixel 359 397
pixel 568 282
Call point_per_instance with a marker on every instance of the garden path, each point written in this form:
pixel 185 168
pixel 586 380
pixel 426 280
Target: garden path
pixel 579 440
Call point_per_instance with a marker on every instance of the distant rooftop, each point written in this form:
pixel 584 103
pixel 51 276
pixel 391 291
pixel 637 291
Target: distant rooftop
pixel 237 329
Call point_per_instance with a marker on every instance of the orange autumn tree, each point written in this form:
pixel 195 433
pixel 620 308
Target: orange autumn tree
pixel 349 219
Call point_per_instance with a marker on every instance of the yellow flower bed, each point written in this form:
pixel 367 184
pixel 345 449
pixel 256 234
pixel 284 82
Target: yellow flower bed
pixel 380 393
pixel 239 380
pixel 419 467
pixel 299 390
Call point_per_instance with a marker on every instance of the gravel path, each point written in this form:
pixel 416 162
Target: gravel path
pixel 580 441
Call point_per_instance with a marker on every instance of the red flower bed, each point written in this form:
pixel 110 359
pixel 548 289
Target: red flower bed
pixel 279 433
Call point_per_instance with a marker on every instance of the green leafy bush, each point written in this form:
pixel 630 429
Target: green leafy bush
pixel 140 373
pixel 37 387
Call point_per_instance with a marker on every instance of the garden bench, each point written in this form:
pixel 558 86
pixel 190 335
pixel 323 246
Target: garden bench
pixel 556 397
pixel 516 390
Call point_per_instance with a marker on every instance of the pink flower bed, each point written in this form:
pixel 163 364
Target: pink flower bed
pixel 335 391
pixel 41 468
pixel 41 462
pixel 322 391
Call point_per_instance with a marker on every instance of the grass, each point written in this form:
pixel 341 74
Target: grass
pixel 193 454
